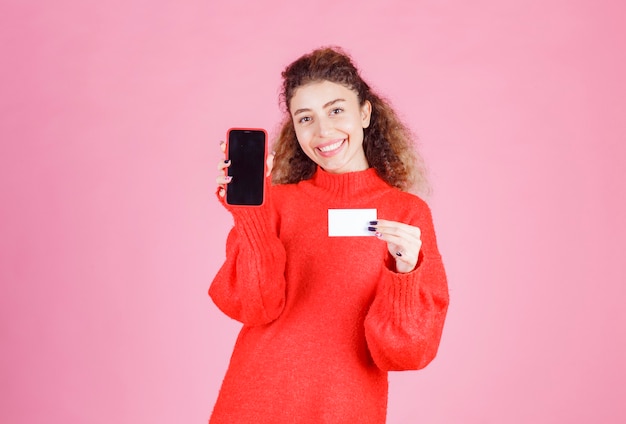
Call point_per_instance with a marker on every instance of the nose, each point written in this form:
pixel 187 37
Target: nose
pixel 324 126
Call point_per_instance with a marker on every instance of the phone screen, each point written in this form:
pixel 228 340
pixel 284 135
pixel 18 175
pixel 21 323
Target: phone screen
pixel 246 152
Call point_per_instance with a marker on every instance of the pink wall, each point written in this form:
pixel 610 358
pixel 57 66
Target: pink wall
pixel 110 117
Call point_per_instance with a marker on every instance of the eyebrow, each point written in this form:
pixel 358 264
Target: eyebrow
pixel 332 102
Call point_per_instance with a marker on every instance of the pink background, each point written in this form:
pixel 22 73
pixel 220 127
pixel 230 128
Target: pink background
pixel 110 117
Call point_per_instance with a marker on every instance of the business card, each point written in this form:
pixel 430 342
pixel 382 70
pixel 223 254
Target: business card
pixel 350 222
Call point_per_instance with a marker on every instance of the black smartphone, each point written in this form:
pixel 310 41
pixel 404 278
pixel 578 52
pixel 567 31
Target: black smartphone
pixel 246 149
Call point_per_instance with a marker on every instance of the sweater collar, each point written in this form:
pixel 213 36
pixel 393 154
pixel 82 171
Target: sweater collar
pixel 349 184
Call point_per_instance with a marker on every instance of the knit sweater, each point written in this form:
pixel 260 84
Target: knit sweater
pixel 324 318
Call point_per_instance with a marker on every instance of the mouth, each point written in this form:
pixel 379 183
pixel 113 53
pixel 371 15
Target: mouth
pixel 330 148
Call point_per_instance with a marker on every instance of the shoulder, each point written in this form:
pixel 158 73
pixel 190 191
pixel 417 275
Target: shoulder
pixel 404 198
pixel 403 206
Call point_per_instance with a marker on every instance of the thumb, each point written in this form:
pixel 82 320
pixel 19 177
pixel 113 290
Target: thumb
pixel 269 162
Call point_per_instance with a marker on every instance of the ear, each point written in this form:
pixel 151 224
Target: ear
pixel 366 113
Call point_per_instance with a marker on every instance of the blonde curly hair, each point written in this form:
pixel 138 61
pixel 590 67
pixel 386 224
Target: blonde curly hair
pixel 387 142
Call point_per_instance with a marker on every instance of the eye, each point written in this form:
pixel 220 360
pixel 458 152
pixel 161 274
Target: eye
pixel 304 119
pixel 336 111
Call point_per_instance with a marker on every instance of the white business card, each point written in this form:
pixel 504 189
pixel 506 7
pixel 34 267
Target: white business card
pixel 350 222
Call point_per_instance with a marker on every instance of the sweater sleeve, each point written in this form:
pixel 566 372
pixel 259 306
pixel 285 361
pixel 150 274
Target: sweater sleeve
pixel 404 324
pixel 250 285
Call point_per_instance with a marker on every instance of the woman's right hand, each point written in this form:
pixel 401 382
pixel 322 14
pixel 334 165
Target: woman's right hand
pixel 224 179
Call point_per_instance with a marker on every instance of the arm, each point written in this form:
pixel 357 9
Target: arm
pixel 250 285
pixel 404 324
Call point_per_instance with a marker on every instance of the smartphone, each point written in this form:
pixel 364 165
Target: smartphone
pixel 246 149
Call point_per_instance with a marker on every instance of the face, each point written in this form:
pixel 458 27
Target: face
pixel 329 123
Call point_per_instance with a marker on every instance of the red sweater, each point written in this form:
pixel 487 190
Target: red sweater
pixel 324 317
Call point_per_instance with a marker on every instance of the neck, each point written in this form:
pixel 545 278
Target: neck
pixel 349 185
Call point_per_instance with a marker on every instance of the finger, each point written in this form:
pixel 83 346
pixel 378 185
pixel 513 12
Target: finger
pixel 223 164
pixel 222 180
pixel 393 224
pixel 406 258
pixel 270 163
pixel 401 236
pixel 403 250
pixel 404 245
pixel 405 263
pixel 394 227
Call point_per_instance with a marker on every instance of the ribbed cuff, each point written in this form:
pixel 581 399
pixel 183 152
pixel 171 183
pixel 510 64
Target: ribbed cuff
pixel 401 291
pixel 254 222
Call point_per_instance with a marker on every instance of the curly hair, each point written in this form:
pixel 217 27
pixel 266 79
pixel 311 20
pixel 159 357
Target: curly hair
pixel 387 142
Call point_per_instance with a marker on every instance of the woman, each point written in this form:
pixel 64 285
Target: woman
pixel 325 318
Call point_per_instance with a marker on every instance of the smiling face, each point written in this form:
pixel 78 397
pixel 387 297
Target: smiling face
pixel 329 123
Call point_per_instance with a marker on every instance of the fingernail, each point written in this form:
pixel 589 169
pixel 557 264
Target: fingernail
pixel 371 229
pixel 373 222
pixel 273 152
pixel 228 178
pixel 379 235
pixel 227 161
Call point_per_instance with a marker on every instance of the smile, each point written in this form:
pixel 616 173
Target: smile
pixel 331 147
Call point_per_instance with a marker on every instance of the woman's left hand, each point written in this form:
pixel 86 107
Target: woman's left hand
pixel 403 242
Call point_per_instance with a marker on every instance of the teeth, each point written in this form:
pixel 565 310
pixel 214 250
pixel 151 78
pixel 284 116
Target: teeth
pixel 331 147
